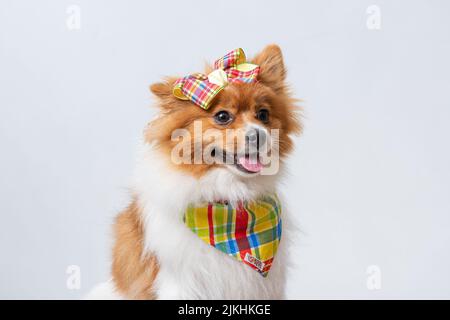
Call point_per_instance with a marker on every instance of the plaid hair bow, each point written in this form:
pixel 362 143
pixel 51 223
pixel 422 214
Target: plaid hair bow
pixel 201 89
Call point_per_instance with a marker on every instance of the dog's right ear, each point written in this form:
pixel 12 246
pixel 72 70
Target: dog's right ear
pixel 162 90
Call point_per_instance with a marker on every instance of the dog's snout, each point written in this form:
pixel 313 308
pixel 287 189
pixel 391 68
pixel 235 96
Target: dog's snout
pixel 255 138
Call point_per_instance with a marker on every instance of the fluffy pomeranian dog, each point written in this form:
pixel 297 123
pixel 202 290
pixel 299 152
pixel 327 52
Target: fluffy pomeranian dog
pixel 156 254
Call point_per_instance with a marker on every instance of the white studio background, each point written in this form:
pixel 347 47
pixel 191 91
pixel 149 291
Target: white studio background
pixel 370 179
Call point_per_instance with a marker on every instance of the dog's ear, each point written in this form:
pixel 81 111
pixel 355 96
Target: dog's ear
pixel 272 71
pixel 162 90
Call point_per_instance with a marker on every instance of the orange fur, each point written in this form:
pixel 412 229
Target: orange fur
pixel 133 272
pixel 240 99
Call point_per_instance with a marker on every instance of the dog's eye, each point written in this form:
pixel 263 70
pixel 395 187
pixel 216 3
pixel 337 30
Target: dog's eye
pixel 222 117
pixel 263 115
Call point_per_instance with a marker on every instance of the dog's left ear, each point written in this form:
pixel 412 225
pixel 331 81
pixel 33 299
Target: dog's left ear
pixel 272 71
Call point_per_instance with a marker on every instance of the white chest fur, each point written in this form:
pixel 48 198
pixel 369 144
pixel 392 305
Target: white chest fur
pixel 189 268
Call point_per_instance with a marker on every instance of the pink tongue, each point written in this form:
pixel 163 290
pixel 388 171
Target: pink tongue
pixel 250 164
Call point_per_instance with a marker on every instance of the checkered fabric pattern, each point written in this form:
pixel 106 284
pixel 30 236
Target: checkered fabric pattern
pixel 197 88
pixel 248 231
pixel 231 59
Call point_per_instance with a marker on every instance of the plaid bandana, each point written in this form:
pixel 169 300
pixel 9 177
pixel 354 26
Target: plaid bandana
pixel 201 89
pixel 249 232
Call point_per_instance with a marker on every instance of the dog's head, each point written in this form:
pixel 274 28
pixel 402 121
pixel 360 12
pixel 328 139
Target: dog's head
pixel 247 129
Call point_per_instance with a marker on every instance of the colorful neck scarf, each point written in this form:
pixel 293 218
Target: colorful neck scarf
pixel 249 231
pixel 201 89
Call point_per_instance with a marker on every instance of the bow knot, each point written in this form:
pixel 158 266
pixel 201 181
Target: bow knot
pixel 201 89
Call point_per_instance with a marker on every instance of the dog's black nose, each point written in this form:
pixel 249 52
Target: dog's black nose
pixel 254 139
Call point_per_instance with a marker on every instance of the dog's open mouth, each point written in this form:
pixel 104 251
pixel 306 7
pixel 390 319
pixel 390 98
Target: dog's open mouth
pixel 247 163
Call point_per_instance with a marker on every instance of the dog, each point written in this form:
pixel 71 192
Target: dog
pixel 156 253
